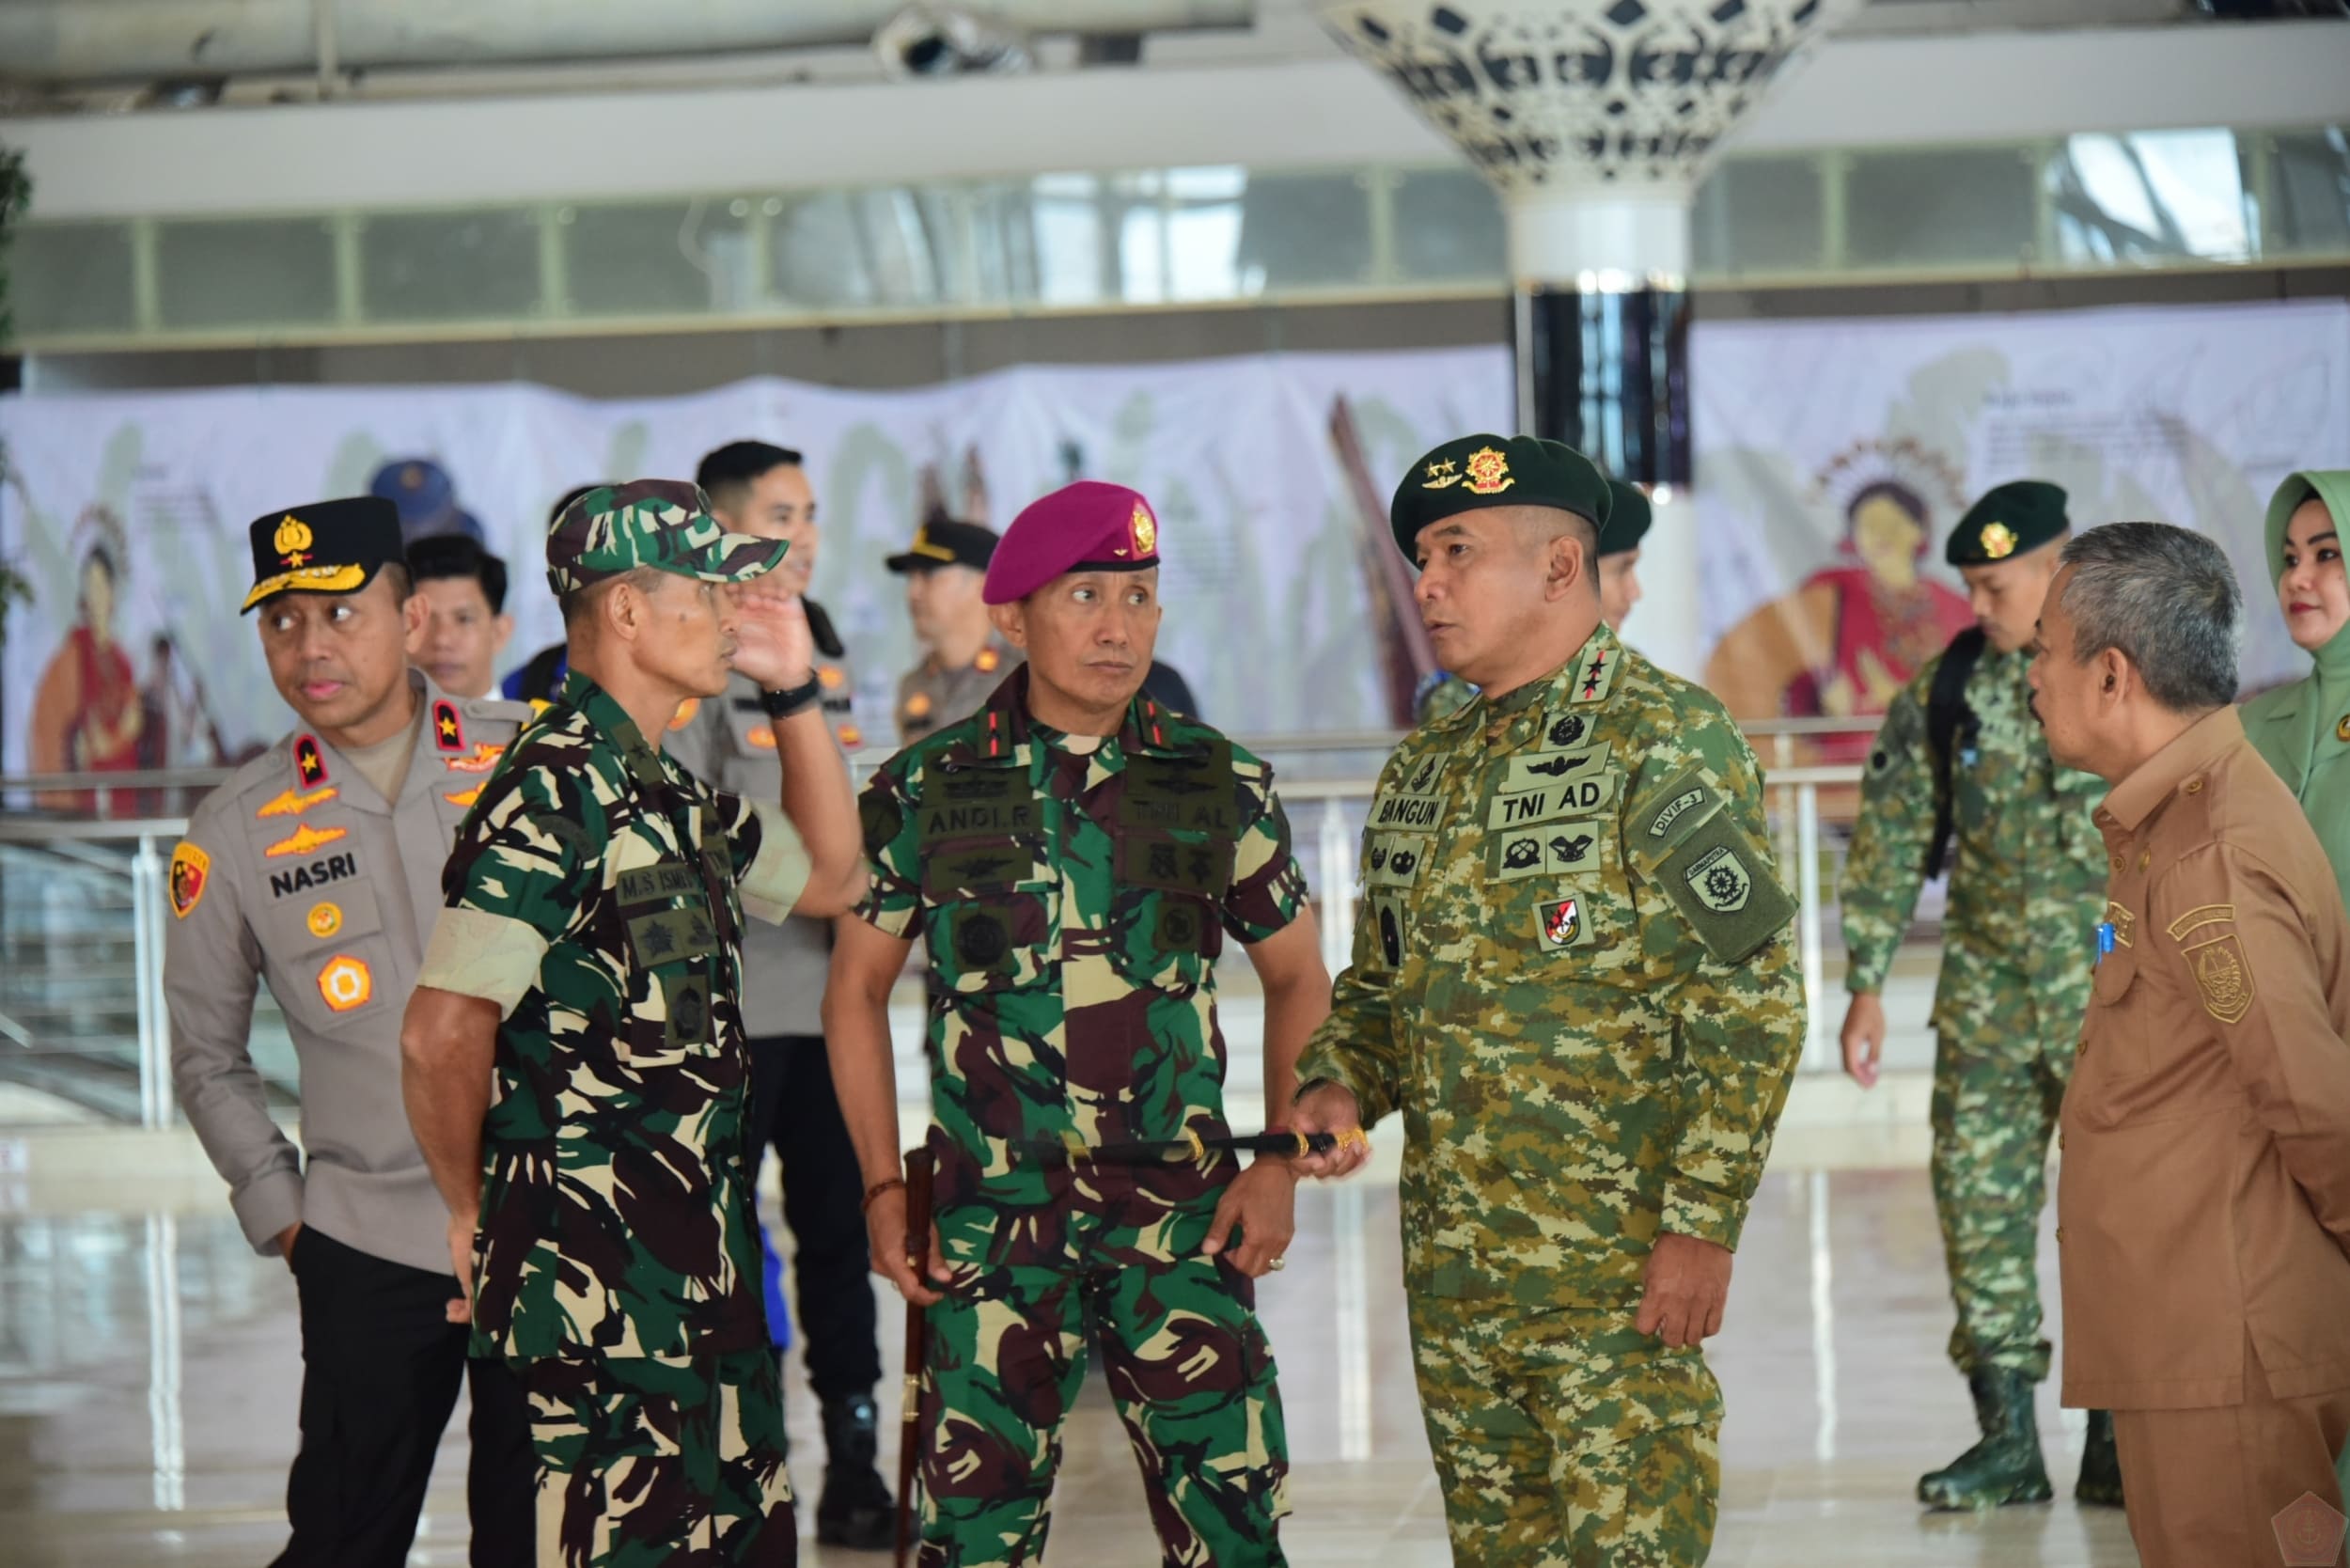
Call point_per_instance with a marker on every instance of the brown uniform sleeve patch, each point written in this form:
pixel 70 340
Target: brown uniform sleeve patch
pixel 2202 914
pixel 2222 976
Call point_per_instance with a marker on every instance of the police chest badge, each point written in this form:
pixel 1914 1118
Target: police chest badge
pixel 1721 880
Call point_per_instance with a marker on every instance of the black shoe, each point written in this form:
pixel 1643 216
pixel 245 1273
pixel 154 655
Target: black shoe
pixel 2005 1468
pixel 2101 1463
pixel 856 1510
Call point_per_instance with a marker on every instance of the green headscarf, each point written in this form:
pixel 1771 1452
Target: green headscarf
pixel 2332 674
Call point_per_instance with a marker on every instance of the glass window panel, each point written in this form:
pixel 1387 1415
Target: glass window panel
pixel 67 277
pixel 1448 227
pixel 2122 198
pixel 1305 230
pixel 450 266
pixel 659 259
pixel 1760 214
pixel 1075 264
pixel 2309 191
pixel 817 256
pixel 242 272
pixel 1938 207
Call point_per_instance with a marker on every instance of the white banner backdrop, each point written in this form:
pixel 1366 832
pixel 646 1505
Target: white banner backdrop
pixel 1836 456
pixel 1262 582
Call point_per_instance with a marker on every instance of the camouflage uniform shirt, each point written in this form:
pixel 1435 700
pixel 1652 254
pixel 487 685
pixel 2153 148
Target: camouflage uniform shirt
pixel 2029 874
pixel 1572 975
pixel 596 893
pixel 1072 899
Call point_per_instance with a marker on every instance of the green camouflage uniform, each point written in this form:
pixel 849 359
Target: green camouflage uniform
pixel 2027 891
pixel 1570 976
pixel 597 893
pixel 1073 898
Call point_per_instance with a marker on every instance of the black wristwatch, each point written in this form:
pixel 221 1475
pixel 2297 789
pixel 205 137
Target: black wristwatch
pixel 782 705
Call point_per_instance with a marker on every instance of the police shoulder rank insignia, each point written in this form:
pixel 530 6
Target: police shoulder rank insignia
pixel 1562 924
pixel 309 762
pixel 190 868
pixel 447 732
pixel 1488 472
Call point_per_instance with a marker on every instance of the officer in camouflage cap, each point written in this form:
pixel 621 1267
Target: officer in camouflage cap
pixel 1072 857
pixel 1959 759
pixel 1572 976
pixel 590 955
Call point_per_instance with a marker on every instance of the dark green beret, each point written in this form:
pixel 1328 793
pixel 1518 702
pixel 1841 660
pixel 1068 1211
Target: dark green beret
pixel 2022 515
pixel 1628 517
pixel 1495 471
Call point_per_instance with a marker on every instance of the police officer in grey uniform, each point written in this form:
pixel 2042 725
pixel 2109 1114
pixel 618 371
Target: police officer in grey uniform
pixel 317 866
pixel 755 488
pixel 964 659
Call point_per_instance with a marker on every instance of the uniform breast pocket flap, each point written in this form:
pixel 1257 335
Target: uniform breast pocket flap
pixel 2114 974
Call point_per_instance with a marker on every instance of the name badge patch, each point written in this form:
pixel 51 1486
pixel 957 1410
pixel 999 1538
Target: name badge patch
pixel 1407 813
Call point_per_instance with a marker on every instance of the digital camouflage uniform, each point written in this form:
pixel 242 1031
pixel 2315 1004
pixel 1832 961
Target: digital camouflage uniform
pixel 597 893
pixel 2026 893
pixel 1572 978
pixel 1071 898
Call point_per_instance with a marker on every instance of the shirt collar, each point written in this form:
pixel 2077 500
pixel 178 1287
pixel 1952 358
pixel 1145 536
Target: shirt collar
pixel 1006 725
pixel 604 712
pixel 1588 677
pixel 2161 775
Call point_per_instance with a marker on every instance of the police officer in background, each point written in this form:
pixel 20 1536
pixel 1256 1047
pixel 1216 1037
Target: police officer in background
pixel 1959 762
pixel 728 742
pixel 317 866
pixel 964 659
pixel 466 627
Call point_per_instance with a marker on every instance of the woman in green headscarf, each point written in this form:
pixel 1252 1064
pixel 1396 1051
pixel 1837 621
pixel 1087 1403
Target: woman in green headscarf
pixel 2303 730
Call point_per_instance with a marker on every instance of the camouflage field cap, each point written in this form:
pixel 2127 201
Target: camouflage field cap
pixel 1628 518
pixel 1477 471
pixel 663 523
pixel 2020 515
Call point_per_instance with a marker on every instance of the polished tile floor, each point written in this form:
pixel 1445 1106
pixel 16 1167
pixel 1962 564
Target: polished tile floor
pixel 148 1369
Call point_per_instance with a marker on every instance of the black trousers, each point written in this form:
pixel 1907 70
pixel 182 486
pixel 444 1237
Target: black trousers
pixel 793 1109
pixel 381 1364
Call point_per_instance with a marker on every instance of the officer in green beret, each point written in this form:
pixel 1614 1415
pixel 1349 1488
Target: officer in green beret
pixel 1628 519
pixel 1572 976
pixel 1960 766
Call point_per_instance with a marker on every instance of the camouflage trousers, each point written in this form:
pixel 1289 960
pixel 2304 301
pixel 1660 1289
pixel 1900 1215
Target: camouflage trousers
pixel 660 1463
pixel 1995 1098
pixel 1566 1438
pixel 1188 1368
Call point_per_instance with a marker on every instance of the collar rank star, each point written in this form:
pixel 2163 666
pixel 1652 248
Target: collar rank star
pixel 309 762
pixel 446 731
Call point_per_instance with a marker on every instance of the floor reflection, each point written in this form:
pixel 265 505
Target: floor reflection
pixel 149 1368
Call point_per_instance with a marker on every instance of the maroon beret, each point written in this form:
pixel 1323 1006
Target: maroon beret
pixel 1088 526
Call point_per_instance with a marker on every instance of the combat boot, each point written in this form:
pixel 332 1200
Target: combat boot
pixel 856 1510
pixel 2101 1463
pixel 2005 1468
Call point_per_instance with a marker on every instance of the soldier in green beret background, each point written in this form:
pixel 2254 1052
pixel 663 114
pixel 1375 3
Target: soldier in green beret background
pixel 1628 519
pixel 1960 763
pixel 1574 978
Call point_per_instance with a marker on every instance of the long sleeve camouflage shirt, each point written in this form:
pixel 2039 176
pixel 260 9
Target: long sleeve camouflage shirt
pixel 1572 976
pixel 2028 873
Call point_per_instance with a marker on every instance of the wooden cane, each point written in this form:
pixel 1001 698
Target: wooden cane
pixel 918 1256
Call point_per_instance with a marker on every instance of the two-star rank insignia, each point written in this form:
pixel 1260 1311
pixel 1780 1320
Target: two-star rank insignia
pixel 1597 676
pixel 447 734
pixel 309 762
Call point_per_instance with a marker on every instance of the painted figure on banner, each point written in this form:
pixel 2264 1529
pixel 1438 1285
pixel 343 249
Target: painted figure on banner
pixel 87 716
pixel 1857 630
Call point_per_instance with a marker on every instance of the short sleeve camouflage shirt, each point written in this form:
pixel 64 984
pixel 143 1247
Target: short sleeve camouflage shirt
pixel 1073 898
pixel 596 893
